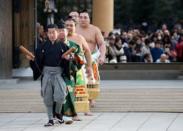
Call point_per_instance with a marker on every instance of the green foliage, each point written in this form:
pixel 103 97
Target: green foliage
pixel 154 12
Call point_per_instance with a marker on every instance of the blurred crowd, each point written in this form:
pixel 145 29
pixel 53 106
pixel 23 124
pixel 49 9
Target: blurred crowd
pixel 161 46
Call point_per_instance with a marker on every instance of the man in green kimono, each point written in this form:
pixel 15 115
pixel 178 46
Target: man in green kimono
pixel 68 108
pixel 80 40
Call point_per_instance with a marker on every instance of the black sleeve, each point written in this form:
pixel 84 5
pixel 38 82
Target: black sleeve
pixel 65 64
pixel 37 64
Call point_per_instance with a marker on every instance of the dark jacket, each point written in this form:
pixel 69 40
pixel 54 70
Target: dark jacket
pixel 38 64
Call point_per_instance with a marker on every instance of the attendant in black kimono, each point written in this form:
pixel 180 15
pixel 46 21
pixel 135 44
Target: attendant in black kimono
pixel 49 64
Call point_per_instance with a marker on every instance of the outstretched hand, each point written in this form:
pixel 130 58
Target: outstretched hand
pixel 65 57
pixel 89 71
pixel 101 60
pixel 30 57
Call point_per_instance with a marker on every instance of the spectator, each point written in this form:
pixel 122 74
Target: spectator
pixel 119 50
pixel 179 49
pixel 111 54
pixel 129 51
pixel 156 51
pixel 147 51
pixel 138 54
pixel 41 35
pixel 163 59
pixel 147 58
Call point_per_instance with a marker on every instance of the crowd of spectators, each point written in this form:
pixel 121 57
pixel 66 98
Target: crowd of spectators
pixel 161 46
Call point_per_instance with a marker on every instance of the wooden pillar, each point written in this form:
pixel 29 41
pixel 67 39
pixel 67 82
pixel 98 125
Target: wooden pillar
pixel 103 14
pixel 27 27
pixel 5 39
pixel 24 27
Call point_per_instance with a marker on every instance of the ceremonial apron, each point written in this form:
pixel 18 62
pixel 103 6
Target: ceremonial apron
pixel 94 81
pixel 69 107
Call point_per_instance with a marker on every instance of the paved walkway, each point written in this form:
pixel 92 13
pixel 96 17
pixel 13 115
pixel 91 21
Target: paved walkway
pixel 114 84
pixel 132 121
pixel 98 122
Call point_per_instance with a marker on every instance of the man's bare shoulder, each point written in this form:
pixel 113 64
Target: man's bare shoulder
pixel 79 36
pixel 94 28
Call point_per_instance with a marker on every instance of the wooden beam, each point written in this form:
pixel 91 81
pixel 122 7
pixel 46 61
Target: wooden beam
pixel 5 39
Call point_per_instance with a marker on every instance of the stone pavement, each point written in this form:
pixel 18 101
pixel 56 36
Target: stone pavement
pixel 144 121
pixel 115 96
pixel 108 121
